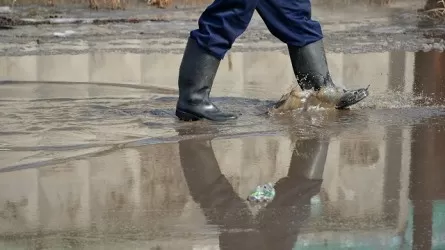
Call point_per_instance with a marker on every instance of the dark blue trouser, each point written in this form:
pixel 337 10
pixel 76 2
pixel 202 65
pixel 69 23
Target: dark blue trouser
pixel 225 20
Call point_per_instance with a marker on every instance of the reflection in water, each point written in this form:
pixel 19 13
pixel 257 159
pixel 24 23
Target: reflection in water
pixel 193 193
pixel 429 76
pixel 277 225
pixel 427 182
pixel 102 192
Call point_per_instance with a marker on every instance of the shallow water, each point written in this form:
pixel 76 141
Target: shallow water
pixel 92 157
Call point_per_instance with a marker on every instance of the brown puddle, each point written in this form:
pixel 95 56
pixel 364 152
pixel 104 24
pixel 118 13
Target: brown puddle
pixel 105 166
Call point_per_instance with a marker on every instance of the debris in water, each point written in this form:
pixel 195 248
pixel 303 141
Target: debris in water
pixel 262 193
pixel 64 34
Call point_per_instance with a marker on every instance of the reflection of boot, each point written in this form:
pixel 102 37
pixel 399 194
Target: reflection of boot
pixel 219 202
pixel 309 158
pixel 196 74
pixel 310 67
pixel 283 217
pixel 306 168
pixel 209 187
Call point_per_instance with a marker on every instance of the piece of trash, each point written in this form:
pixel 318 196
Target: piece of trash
pixel 262 193
pixel 64 34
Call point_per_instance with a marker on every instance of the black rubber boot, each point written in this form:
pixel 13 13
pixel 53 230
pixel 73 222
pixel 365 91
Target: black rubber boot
pixel 196 74
pixel 311 69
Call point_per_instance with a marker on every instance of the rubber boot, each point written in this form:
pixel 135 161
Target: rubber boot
pixel 196 74
pixel 311 69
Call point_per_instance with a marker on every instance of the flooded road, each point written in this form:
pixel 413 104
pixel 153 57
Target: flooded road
pixel 92 157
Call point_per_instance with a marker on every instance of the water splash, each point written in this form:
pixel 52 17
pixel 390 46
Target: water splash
pixel 399 100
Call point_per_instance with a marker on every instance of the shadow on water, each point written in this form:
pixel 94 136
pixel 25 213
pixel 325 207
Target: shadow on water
pixel 109 166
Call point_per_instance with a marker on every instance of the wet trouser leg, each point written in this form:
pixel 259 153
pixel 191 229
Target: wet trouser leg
pixel 225 20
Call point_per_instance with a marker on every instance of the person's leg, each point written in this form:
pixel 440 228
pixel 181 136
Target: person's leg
pixel 290 21
pixel 219 25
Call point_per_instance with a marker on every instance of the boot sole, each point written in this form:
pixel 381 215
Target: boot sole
pixel 361 98
pixel 350 104
pixel 185 116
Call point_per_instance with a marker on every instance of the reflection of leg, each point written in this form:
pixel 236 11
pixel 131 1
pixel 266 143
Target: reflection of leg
pixel 219 25
pixel 284 216
pixel 308 159
pixel 213 192
pixel 290 21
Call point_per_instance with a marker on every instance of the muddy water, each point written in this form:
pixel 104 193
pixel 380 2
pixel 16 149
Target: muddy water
pixel 91 156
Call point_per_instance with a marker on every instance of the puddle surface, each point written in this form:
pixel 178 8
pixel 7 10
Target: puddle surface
pixel 91 156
